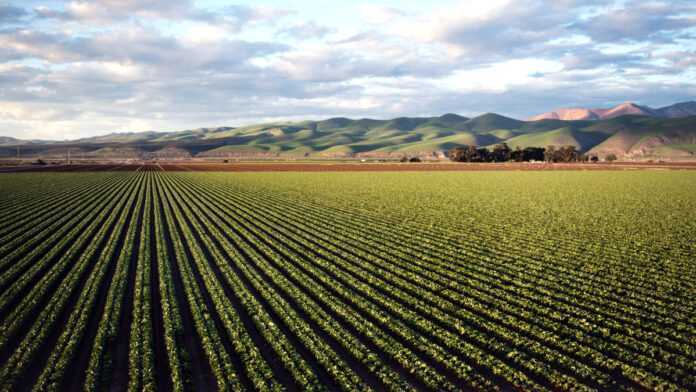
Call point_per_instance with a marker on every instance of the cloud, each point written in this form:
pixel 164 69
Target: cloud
pixel 25 43
pixel 516 29
pixel 81 67
pixel 587 57
pixel 640 22
pixel 306 30
pixel 10 14
pixel 365 56
pixel 131 73
pixel 108 10
pixel 502 29
pixel 327 65
pixel 679 60
pixel 133 44
pixel 232 17
pixel 377 14
pixel 244 14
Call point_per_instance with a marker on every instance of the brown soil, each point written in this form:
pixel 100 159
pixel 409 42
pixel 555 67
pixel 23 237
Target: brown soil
pixel 351 167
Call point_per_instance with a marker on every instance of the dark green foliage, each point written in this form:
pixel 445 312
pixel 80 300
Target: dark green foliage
pixel 501 153
pixel 470 154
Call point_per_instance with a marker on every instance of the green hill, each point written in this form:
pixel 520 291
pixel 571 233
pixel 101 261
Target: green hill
pixel 491 121
pixel 626 136
pixel 582 140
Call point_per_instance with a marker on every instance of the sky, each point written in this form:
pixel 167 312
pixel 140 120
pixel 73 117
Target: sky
pixel 71 69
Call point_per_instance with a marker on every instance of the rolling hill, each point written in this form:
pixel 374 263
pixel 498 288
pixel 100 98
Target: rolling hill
pixel 627 136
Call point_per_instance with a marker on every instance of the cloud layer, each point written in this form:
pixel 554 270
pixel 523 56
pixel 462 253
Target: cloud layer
pixel 80 68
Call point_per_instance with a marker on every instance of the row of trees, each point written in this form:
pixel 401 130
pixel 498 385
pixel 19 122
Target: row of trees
pixel 503 153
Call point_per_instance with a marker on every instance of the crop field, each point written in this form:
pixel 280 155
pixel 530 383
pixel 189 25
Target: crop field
pixel 443 281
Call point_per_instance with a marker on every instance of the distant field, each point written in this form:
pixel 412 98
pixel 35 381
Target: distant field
pixel 468 280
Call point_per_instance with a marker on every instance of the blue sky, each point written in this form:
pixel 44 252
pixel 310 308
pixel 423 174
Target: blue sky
pixel 71 69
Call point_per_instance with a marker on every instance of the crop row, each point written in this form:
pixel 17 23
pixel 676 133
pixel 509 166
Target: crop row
pixel 188 281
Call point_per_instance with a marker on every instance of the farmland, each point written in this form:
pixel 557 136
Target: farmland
pixel 467 280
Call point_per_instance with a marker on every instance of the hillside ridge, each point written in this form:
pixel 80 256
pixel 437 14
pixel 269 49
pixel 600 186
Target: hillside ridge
pixel 681 109
pixel 627 136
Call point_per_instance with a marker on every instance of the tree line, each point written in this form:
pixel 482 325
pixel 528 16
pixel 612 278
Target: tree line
pixel 503 153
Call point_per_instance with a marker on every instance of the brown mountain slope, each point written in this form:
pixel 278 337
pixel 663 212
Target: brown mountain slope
pixel 627 108
pixel 682 109
pixel 568 114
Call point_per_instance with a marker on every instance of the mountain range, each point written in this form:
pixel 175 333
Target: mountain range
pixel 644 135
pixel 682 109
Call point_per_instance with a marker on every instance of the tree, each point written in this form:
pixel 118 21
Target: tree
pixel 482 155
pixel 471 154
pixel 457 154
pixel 610 158
pixel 467 154
pixel 501 153
pixel 567 153
pixel 550 154
pixel 533 154
pixel 594 159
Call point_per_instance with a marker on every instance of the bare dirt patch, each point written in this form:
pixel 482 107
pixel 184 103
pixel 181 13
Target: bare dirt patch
pixel 348 167
pixel 367 167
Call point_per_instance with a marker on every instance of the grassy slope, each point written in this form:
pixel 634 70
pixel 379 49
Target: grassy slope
pixel 649 137
pixel 559 137
pixel 628 135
